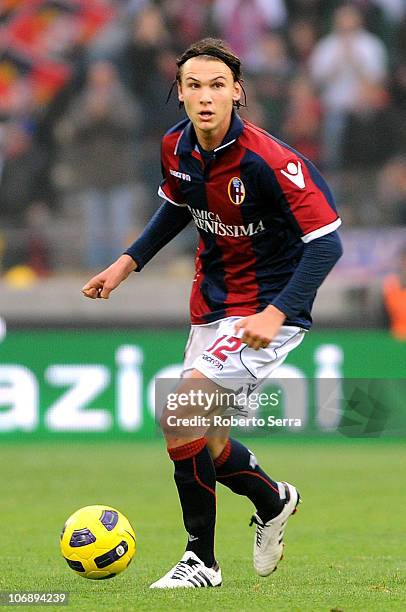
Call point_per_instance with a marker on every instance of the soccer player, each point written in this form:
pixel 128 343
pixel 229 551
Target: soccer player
pixel 268 239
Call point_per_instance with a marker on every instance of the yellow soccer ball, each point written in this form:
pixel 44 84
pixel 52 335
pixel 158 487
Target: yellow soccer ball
pixel 98 542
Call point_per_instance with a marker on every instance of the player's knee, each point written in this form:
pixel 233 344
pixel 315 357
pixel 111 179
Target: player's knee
pixel 216 444
pixel 182 423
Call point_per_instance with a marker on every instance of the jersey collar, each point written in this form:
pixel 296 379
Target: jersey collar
pixel 187 140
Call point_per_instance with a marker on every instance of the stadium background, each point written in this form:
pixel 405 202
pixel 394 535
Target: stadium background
pixel 83 86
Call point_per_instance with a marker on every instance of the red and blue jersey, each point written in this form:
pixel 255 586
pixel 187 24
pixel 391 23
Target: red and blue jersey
pixel 255 202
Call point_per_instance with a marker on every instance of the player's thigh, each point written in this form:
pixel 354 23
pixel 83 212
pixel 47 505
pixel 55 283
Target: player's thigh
pixel 218 369
pixel 190 408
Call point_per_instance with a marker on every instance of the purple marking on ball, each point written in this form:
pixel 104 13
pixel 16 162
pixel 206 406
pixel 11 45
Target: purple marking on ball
pixel 109 519
pixel 82 537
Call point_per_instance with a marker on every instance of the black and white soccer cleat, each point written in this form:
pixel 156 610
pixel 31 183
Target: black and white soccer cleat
pixel 268 541
pixel 189 573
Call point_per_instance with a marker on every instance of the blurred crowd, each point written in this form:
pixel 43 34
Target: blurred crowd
pixel 79 170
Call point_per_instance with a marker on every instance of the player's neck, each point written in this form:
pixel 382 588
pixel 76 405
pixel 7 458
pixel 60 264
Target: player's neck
pixel 209 141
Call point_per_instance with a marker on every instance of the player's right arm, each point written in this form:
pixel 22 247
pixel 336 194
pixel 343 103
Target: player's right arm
pixel 101 285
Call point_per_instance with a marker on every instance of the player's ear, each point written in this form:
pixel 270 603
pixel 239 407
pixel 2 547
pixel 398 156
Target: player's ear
pixel 181 97
pixel 237 92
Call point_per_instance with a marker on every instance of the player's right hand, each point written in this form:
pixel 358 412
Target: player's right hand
pixel 101 285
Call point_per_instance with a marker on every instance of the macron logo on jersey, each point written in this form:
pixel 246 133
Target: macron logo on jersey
pixel 294 173
pixel 180 175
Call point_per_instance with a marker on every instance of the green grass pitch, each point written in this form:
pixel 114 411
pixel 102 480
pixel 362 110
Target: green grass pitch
pixel 345 548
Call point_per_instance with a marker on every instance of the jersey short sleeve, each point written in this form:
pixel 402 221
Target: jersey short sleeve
pixel 304 196
pixel 169 187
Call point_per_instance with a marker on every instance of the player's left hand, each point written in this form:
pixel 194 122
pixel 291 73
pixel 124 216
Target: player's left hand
pixel 261 328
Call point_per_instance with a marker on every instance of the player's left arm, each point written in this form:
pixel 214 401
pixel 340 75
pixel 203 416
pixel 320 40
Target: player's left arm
pixel 309 206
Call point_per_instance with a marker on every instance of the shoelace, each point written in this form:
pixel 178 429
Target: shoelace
pixel 259 530
pixel 183 569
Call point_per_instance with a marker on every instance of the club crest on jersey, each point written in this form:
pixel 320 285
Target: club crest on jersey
pixel 236 191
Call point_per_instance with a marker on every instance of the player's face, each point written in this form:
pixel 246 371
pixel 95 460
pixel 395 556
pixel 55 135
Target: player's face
pixel 208 90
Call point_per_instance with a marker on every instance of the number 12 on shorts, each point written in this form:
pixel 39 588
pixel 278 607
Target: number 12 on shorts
pixel 224 344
